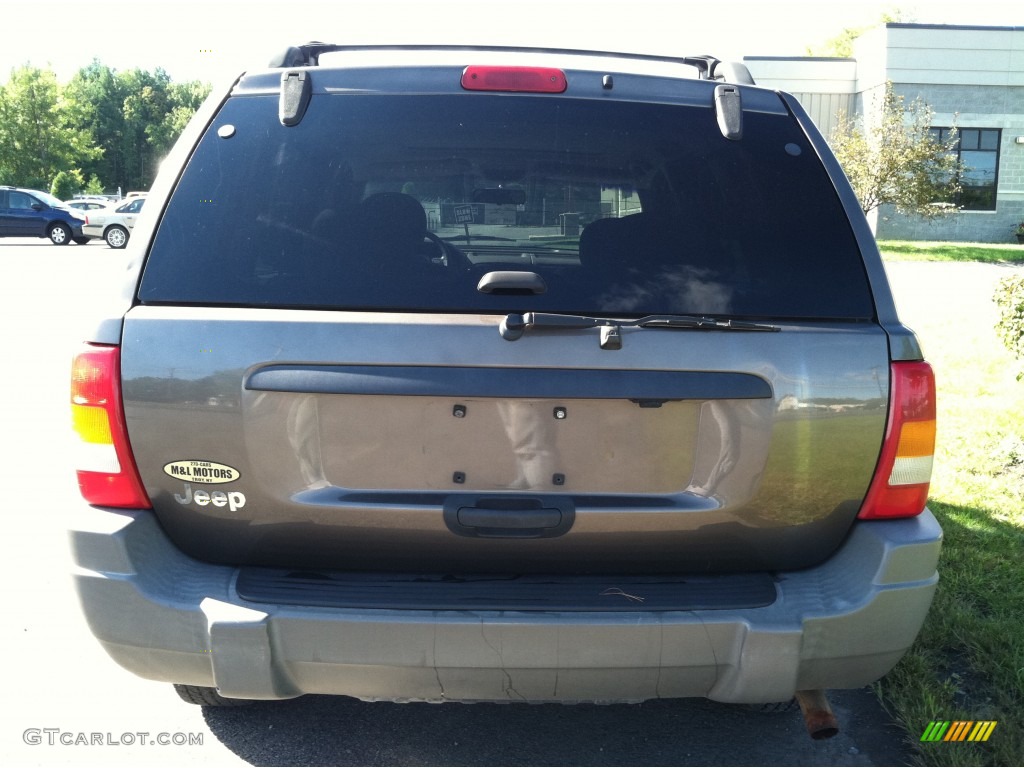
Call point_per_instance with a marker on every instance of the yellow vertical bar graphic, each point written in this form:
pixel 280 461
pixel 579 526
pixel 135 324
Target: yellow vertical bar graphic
pixel 976 731
pixel 989 727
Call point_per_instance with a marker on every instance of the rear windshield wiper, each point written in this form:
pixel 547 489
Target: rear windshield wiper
pixel 514 325
pixel 702 323
pixel 467 238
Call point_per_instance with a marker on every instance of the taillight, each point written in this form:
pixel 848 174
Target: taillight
pixel 900 485
pixel 514 79
pixel 106 470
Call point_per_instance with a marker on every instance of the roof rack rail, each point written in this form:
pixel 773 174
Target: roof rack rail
pixel 708 67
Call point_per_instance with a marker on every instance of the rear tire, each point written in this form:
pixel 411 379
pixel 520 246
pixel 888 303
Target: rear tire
pixel 59 234
pixel 207 697
pixel 116 237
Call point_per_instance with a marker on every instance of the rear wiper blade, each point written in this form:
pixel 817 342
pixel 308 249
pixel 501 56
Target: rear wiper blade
pixel 467 238
pixel 702 323
pixel 514 325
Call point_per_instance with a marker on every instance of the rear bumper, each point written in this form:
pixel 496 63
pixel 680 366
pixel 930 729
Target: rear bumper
pixel 165 616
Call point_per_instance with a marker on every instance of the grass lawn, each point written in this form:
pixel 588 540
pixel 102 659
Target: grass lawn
pixel 988 253
pixel 968 663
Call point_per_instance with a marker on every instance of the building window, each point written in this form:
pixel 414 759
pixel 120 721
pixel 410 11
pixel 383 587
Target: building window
pixel 978 151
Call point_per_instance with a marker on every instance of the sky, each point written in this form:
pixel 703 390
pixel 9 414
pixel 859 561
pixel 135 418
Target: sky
pixel 216 39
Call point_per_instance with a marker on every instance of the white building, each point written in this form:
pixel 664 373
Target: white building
pixel 972 77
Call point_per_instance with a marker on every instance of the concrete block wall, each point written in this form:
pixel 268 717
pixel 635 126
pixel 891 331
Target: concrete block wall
pixel 974 106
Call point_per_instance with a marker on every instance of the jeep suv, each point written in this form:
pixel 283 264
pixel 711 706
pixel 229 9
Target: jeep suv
pixel 31 213
pixel 488 374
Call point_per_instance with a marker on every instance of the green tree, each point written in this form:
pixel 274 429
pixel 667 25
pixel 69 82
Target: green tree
pixel 145 105
pixel 135 116
pixel 66 184
pixel 183 99
pixel 94 186
pixel 100 99
pixel 892 156
pixel 37 137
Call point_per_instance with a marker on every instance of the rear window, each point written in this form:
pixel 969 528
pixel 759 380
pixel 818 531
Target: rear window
pixel 385 202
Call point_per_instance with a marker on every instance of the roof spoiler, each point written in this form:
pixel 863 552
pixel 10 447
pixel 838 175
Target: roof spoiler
pixel 708 67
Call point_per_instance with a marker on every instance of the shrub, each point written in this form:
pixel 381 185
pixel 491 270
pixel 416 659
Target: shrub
pixel 1009 297
pixel 66 183
pixel 94 187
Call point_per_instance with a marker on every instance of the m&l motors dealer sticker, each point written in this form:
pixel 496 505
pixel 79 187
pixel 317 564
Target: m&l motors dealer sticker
pixel 199 471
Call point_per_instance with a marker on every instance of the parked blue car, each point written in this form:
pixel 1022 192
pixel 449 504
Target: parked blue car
pixel 31 213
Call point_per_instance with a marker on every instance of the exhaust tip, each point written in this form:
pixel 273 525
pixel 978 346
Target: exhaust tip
pixel 818 716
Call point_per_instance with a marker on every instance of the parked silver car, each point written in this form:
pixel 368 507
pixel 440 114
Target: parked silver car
pixel 86 204
pixel 577 379
pixel 114 223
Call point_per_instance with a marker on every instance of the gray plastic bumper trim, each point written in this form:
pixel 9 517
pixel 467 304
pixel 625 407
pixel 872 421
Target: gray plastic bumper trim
pixel 168 617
